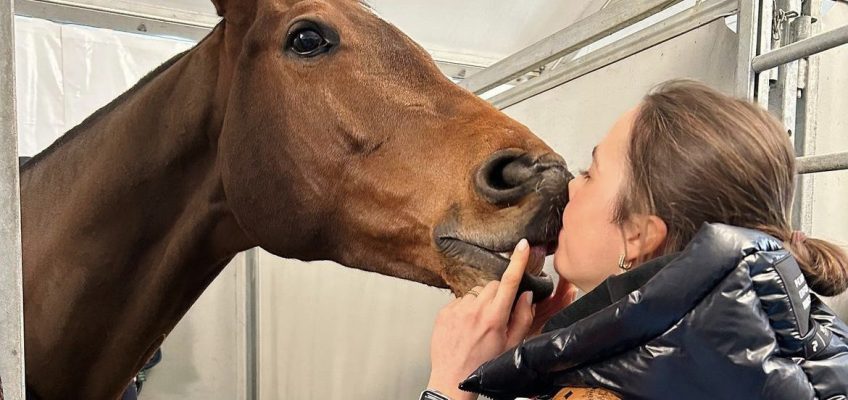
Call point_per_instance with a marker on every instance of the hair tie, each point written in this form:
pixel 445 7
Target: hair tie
pixel 797 238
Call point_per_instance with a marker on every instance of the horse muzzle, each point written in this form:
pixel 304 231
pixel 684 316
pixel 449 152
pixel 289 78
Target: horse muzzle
pixel 530 195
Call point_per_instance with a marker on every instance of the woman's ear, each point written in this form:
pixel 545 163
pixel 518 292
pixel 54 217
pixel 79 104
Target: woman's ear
pixel 643 236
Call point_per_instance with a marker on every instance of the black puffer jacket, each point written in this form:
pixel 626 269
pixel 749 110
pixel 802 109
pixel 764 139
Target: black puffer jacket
pixel 730 317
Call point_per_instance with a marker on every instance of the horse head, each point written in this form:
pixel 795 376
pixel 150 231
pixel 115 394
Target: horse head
pixel 343 141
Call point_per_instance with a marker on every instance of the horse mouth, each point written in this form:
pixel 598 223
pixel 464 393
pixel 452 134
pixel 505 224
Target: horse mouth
pixel 491 257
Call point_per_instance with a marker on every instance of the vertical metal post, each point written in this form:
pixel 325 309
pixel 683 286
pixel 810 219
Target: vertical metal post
pixel 11 292
pixel 764 79
pixel 252 327
pixel 807 127
pixel 786 92
pixel 747 32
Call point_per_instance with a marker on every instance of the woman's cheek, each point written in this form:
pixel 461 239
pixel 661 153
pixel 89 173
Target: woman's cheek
pixel 561 254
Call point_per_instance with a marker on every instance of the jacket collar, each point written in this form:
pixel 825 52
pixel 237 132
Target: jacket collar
pixel 715 252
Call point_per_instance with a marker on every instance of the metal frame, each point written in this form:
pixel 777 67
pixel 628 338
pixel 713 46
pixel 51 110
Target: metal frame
pixel 822 163
pixel 11 288
pixel 701 14
pixel 617 16
pixel 785 69
pixel 127 17
pixel 747 23
pixel 801 49
pixel 251 325
pixel 807 124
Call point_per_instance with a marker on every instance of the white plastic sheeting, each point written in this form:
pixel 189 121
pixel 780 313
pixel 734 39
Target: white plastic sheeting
pixel 65 73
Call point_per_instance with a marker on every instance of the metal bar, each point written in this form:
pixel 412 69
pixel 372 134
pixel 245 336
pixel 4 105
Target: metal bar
pixel 123 21
pixel 764 79
pixel 807 117
pixel 674 26
pixel 619 15
pixel 11 291
pixel 143 10
pixel 252 326
pixel 572 55
pixel 801 49
pixel 747 29
pixel 822 163
pixel 786 99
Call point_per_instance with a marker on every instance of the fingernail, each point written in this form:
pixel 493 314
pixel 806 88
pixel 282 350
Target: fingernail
pixel 530 298
pixel 522 245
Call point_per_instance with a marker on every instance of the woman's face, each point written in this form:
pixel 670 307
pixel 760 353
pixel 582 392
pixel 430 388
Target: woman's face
pixel 590 244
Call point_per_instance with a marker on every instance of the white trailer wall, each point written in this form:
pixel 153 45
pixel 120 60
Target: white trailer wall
pixel 66 72
pixel 329 332
pixel 573 117
pixel 830 189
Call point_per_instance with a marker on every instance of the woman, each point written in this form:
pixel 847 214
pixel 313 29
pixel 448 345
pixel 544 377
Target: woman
pixel 696 286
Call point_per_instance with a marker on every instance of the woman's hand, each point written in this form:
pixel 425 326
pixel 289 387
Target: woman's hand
pixel 477 327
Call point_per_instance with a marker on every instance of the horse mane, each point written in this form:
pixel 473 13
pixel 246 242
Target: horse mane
pixel 88 121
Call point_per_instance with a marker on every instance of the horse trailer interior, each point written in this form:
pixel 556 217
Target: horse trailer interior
pixel 272 328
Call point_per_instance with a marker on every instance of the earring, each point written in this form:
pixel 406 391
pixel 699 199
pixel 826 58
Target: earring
pixel 624 265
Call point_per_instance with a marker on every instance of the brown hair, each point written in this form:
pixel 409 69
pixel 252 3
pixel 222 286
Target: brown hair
pixel 696 155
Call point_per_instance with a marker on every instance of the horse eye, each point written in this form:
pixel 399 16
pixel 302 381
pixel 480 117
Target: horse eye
pixel 308 42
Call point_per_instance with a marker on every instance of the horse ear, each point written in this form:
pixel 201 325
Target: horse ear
pixel 234 10
pixel 220 7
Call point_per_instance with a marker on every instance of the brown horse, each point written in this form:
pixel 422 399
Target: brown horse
pixel 310 128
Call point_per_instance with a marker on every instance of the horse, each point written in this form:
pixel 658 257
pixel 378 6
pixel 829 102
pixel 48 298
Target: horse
pixel 311 128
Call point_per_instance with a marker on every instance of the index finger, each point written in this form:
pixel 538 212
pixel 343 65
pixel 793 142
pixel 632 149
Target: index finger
pixel 508 288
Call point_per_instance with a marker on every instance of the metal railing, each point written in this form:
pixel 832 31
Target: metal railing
pixel 822 163
pixel 701 14
pixel 617 16
pixel 798 50
pixel 780 60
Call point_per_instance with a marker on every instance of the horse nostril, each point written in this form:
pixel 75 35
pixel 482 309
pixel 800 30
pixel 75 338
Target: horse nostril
pixel 510 175
pixel 503 171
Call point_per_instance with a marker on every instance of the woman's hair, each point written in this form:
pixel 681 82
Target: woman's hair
pixel 697 155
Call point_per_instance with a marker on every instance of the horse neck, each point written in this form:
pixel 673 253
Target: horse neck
pixel 125 223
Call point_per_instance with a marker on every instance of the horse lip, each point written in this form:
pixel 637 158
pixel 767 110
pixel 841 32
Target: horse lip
pixel 494 264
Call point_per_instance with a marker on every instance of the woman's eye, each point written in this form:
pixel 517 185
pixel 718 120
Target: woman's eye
pixel 585 173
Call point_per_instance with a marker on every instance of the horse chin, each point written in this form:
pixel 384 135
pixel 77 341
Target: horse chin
pixel 489 262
